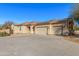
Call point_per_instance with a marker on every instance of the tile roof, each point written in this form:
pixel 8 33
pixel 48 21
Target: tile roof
pixel 39 23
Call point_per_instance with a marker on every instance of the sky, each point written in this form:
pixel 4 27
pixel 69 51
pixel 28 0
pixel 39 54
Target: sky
pixel 39 12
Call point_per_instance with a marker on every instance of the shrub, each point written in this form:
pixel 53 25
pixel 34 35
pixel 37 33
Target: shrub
pixel 76 28
pixel 2 34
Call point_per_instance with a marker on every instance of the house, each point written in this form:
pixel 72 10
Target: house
pixel 22 28
pixel 40 28
pixel 51 27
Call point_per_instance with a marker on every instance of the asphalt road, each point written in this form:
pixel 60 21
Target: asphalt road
pixel 37 45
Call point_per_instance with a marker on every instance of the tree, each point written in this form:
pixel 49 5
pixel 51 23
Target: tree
pixel 75 12
pixel 7 25
pixel 74 17
pixel 70 24
pixel 0 26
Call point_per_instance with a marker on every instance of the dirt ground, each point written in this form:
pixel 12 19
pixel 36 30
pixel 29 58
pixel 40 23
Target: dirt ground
pixel 74 38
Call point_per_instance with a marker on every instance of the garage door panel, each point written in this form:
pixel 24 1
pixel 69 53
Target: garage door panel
pixel 41 30
pixel 57 30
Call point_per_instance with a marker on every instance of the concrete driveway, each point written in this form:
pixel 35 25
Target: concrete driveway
pixel 37 45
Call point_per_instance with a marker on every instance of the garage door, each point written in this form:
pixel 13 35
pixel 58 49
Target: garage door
pixel 41 30
pixel 57 30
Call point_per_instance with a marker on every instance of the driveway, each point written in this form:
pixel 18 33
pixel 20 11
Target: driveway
pixel 37 45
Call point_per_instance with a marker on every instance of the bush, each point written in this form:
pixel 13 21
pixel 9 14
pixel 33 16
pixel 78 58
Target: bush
pixel 76 28
pixel 2 34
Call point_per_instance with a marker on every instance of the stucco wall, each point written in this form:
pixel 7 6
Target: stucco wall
pixel 77 32
pixel 20 29
pixel 39 29
pixel 50 29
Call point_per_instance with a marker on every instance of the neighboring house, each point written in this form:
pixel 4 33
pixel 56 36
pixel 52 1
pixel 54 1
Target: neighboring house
pixel 42 28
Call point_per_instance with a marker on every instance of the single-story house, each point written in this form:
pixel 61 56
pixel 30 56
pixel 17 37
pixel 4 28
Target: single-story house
pixel 40 28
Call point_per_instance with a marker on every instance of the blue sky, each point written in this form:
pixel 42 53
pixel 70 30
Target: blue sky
pixel 33 12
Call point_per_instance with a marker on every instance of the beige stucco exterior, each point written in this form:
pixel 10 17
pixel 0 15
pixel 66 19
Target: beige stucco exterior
pixel 39 28
pixel 20 29
pixel 49 29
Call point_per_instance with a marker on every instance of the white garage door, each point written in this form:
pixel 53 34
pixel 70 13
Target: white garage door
pixel 41 30
pixel 57 30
